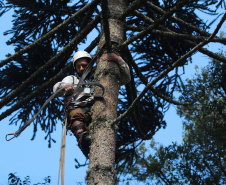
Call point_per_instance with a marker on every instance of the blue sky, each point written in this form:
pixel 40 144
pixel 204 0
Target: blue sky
pixel 35 159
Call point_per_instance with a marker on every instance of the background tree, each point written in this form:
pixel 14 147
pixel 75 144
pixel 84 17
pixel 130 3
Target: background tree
pixel 150 31
pixel 200 159
pixel 15 180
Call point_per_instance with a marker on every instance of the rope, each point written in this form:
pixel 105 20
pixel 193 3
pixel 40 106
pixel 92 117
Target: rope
pixel 62 158
pixel 26 124
pixel 60 154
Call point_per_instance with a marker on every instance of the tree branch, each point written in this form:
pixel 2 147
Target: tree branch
pixel 208 53
pixel 131 96
pixel 50 33
pixel 104 6
pixel 155 24
pixel 93 44
pixel 136 4
pixel 165 72
pixel 145 81
pixel 67 48
pixel 188 39
pixel 169 33
pixel 180 21
pixel 216 179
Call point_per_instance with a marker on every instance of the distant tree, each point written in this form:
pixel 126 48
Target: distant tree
pixel 200 159
pixel 15 180
pixel 154 37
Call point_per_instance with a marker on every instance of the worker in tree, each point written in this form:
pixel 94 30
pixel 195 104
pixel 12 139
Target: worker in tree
pixel 79 106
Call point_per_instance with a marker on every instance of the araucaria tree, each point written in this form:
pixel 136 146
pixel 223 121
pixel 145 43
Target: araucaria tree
pixel 154 38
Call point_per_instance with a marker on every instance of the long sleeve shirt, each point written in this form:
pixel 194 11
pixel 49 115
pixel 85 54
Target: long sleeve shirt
pixel 84 96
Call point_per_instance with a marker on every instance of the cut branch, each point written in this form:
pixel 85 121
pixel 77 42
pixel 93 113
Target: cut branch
pixel 208 53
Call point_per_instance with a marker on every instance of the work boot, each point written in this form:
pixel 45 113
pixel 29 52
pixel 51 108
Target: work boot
pixel 81 133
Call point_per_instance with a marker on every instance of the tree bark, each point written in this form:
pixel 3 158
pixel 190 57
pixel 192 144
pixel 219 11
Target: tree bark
pixel 102 151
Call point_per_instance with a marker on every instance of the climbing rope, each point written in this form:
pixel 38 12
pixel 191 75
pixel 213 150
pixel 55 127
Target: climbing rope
pixel 61 144
pixel 62 152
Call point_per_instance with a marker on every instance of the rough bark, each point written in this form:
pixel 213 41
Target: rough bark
pixel 102 151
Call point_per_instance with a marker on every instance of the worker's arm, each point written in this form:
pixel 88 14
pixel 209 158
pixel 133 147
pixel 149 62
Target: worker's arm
pixel 123 66
pixel 65 82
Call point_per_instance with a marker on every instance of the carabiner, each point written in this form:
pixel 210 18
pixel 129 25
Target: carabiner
pixel 14 135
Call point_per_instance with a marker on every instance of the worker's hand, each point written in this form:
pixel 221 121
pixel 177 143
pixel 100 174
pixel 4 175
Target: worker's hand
pixel 110 57
pixel 70 90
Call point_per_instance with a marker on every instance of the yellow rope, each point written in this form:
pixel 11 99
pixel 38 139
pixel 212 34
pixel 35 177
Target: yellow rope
pixel 62 154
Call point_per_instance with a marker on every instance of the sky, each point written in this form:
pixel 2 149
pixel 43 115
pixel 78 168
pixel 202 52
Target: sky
pixel 34 158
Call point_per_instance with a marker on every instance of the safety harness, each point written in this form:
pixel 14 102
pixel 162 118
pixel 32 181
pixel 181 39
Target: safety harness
pixel 77 86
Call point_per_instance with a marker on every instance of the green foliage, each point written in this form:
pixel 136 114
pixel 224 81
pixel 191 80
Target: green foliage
pixel 200 159
pixel 15 180
pixel 207 112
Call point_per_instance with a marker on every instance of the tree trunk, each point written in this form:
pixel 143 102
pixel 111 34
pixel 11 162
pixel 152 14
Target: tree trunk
pixel 102 151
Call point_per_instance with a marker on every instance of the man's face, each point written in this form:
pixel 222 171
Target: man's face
pixel 81 65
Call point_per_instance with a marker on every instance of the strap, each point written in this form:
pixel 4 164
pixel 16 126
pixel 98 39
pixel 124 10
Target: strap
pixel 77 127
pixel 73 77
pixel 84 75
pixel 86 72
pixel 27 123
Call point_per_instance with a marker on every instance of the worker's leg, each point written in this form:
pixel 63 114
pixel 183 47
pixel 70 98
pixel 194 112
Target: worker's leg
pixel 78 124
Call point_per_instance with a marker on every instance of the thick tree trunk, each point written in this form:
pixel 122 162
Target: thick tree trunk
pixel 102 152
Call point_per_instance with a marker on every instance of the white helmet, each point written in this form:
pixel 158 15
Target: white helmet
pixel 80 54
